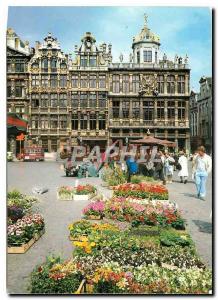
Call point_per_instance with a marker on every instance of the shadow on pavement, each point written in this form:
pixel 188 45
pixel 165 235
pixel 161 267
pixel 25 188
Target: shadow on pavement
pixel 189 195
pixel 205 227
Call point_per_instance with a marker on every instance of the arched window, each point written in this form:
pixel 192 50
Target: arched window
pixel 63 66
pixel 44 64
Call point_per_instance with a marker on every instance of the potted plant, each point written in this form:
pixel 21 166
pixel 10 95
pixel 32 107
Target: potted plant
pixel 94 210
pixel 84 192
pixel 65 193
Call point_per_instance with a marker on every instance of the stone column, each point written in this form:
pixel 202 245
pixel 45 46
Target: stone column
pixel 187 84
pixel 165 84
pixel 121 109
pixel 155 112
pixel 165 112
pixel 187 113
pixel 130 83
pixel 176 113
pixel 79 121
pixel 97 121
pixel 176 86
pixel 49 144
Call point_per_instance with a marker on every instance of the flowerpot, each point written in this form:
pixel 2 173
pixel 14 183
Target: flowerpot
pixel 23 248
pixel 83 197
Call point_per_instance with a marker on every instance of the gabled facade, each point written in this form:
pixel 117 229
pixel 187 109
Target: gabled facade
pixel 92 100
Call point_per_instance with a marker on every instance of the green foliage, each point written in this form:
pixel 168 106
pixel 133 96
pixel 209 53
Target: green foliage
pixel 15 198
pixel 55 277
pixel 171 238
pixel 141 178
pixel 114 176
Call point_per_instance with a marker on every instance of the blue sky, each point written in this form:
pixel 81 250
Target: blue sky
pixel 181 30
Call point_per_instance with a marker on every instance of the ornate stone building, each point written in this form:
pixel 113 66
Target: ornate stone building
pixel 201 115
pixel 91 100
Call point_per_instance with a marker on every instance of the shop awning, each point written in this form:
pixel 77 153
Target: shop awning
pixel 16 124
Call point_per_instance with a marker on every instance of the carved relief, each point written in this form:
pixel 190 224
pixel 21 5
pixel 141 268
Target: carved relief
pixel 148 84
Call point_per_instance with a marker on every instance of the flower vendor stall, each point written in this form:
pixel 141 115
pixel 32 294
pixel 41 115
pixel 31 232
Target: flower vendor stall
pixel 24 226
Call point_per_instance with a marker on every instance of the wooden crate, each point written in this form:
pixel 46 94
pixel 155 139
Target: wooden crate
pixel 22 249
pixel 83 197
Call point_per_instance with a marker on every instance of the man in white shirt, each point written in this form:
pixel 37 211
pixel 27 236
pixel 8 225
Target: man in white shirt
pixel 202 166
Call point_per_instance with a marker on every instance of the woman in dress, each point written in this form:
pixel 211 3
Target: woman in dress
pixel 183 173
pixel 168 167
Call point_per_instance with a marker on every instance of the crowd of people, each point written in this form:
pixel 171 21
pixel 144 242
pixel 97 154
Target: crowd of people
pixel 166 163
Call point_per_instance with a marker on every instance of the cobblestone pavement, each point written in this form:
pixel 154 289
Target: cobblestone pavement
pixel 59 214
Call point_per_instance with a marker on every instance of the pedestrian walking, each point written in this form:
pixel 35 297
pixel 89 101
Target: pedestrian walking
pixel 169 167
pixel 132 167
pixel 183 173
pixel 159 166
pixel 202 166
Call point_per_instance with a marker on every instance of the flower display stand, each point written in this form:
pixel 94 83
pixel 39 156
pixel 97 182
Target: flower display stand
pixel 64 197
pixel 83 197
pixel 92 217
pixel 23 248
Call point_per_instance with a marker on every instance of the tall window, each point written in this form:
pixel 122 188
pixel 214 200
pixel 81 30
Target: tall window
pixel 74 100
pixel 44 80
pixel 45 145
pixel 171 110
pixel 63 121
pixel 54 100
pixel 9 90
pixel 54 81
pixel 116 109
pixel 83 100
pixel 63 81
pixel 83 61
pixel 44 65
pixel 102 99
pixel 63 100
pixel 181 110
pixel 125 84
pixel 92 121
pixel 83 121
pixel 148 110
pixel 116 83
pixel 53 65
pixel 102 81
pixel 83 81
pixel 160 110
pixel 92 61
pixel 135 83
pixel 181 84
pixel 44 122
pixel 19 67
pixel 35 100
pixel 138 57
pixel 170 84
pixel 92 100
pixel 74 121
pixel 125 109
pixel 18 88
pixel 44 100
pixel 101 122
pixel 147 55
pixel 35 80
pixel 35 122
pixel 74 81
pixel 135 109
pixel 160 84
pixel 54 122
pixel 92 81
